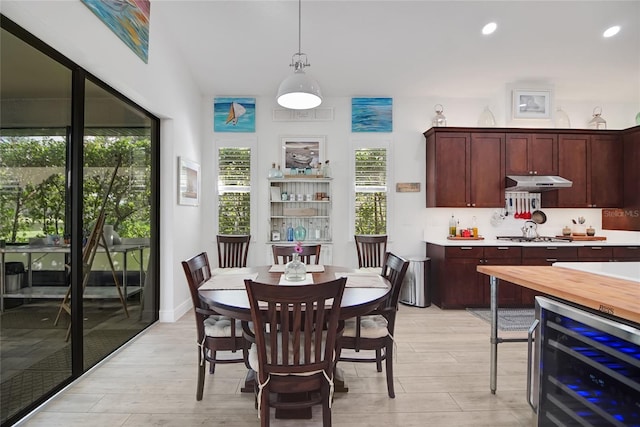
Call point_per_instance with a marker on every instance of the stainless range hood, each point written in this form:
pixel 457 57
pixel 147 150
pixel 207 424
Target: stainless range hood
pixel 536 183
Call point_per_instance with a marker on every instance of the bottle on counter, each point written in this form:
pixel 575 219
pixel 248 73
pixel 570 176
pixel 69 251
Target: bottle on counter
pixel 474 227
pixel 452 226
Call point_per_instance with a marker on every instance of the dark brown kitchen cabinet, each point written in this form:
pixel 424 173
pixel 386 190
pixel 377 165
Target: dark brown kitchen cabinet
pixel 593 162
pixel 595 253
pixel 464 169
pixel 626 253
pixel 606 177
pixel 531 154
pixel 631 148
pixel 456 282
pixel 546 255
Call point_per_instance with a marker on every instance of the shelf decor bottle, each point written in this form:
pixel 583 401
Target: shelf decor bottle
pixel 273 172
pixel 300 233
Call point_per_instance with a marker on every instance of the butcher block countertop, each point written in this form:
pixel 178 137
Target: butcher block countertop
pixel 610 295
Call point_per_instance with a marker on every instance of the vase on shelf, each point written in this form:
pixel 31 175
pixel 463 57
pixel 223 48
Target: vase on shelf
pixel 562 119
pixel 300 233
pixel 486 119
pixel 295 270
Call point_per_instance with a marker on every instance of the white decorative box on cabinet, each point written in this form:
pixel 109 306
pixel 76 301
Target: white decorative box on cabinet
pixel 300 202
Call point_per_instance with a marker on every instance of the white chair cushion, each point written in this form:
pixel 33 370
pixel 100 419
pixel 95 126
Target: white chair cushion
pixel 220 326
pixel 370 327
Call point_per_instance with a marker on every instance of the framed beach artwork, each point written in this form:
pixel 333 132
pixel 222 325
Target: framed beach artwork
pixel 371 114
pixel 188 182
pixel 531 104
pixel 301 152
pixel 129 20
pixel 234 114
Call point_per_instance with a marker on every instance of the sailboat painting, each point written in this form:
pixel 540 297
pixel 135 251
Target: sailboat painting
pixel 128 19
pixel 371 114
pixel 234 114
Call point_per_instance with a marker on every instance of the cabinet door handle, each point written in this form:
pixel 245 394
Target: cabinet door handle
pixel 465 248
pixel 596 248
pixel 633 248
pixel 503 248
pixel 552 248
pixel 530 332
pixel 552 259
pixel 473 204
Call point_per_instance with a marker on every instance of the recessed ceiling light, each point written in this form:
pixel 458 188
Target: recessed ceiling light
pixel 611 31
pixel 489 28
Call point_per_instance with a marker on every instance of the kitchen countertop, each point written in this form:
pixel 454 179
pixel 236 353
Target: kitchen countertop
pixel 610 295
pixel 621 270
pixel 443 241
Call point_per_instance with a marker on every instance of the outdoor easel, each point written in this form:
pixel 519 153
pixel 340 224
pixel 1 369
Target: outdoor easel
pixel 95 239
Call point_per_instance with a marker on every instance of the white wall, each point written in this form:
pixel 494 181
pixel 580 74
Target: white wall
pixel 166 89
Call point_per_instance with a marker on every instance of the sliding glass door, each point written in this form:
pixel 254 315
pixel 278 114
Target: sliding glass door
pixel 78 221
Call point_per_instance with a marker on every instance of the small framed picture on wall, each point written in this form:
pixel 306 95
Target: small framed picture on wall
pixel 188 182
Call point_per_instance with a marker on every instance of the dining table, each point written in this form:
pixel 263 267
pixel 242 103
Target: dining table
pixel 226 294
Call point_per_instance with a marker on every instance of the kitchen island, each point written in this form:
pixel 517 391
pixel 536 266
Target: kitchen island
pixel 600 293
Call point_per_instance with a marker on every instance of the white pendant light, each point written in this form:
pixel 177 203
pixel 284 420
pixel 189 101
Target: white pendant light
pixel 299 91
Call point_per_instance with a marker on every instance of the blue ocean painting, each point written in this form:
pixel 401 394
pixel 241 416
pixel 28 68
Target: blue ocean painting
pixel 128 19
pixel 234 114
pixel 371 114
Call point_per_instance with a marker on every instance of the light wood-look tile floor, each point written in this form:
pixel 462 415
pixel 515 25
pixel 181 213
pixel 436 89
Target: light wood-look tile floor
pixel 441 379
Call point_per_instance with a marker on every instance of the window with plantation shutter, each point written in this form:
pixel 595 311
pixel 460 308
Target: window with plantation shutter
pixel 234 190
pixel 371 191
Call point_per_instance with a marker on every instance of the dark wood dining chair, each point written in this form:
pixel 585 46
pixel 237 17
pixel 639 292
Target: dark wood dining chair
pixel 283 254
pixel 300 358
pixel 233 250
pixel 371 250
pixel 215 332
pixel 375 330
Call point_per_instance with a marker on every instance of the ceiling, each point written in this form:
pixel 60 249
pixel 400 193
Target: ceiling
pixel 418 48
pixel 409 48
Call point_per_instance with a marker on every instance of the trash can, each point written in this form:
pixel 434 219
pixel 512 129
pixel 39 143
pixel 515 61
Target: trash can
pixel 415 287
pixel 13 276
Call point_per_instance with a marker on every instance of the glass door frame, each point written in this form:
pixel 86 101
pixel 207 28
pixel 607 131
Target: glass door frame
pixel 74 187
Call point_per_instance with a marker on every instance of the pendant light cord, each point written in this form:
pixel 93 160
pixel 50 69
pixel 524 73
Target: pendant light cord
pixel 299 27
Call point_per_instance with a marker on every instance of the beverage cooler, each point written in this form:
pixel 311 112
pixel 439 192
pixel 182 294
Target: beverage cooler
pixel 586 367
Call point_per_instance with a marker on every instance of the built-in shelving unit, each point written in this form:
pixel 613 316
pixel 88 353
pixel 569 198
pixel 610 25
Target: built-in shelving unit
pixel 298 202
pixel 308 203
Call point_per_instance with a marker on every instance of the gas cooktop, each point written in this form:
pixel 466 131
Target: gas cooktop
pixel 539 239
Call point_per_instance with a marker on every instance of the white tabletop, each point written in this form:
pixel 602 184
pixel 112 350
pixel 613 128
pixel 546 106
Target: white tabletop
pixel 620 270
